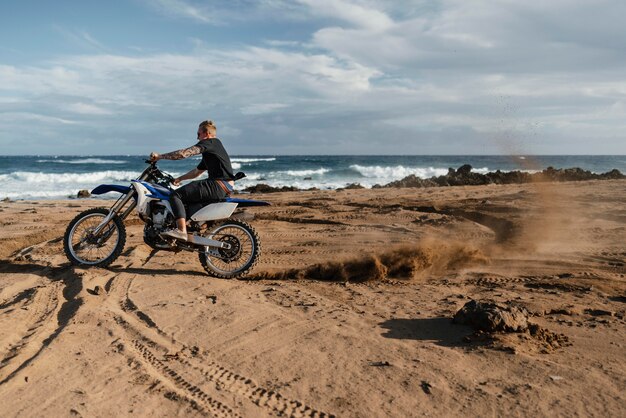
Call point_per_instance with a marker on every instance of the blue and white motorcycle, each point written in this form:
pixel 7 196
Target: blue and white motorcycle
pixel 228 247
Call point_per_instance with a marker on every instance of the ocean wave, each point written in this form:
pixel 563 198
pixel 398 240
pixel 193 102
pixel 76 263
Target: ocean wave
pixel 84 161
pixel 250 160
pixel 299 173
pixel 29 177
pixel 397 172
pixel 236 166
pixel 43 194
pixel 300 184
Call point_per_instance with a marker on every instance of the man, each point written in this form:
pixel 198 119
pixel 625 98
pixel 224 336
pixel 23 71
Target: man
pixel 219 184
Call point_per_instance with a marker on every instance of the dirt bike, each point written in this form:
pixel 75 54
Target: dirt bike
pixel 228 247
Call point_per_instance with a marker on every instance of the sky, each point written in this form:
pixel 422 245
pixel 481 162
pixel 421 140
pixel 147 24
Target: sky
pixel 378 77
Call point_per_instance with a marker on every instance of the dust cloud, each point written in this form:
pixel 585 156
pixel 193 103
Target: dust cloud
pixel 407 262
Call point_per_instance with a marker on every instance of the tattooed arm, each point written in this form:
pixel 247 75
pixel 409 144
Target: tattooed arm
pixel 188 176
pixel 177 155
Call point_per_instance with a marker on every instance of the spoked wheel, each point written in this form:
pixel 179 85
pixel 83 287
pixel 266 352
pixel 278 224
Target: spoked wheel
pixel 242 254
pixel 83 247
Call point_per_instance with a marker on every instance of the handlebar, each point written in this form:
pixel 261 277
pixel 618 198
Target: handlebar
pixel 157 174
pixel 160 175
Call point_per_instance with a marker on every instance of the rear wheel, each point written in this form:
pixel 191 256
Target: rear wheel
pixel 83 247
pixel 237 260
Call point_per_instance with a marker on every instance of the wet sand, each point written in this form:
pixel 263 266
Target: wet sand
pixel 348 312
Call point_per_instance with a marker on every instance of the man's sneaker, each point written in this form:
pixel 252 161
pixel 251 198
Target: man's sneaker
pixel 175 233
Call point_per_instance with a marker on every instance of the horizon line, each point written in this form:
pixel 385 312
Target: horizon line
pixel 332 155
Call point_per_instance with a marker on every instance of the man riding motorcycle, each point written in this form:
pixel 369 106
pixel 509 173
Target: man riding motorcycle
pixel 217 186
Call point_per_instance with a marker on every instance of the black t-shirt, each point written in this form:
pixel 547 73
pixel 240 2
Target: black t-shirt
pixel 215 159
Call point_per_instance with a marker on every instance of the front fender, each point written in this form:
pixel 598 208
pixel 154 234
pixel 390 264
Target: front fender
pixel 105 188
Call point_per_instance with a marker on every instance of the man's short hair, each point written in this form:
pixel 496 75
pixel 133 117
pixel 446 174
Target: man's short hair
pixel 208 126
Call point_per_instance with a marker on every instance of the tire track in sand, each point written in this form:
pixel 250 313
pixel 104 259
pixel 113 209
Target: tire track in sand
pixel 42 307
pixel 63 283
pixel 204 383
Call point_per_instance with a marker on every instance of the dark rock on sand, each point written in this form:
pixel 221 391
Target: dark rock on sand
pixel 492 317
pixel 352 186
pixel 464 176
pixel 599 312
pixel 266 188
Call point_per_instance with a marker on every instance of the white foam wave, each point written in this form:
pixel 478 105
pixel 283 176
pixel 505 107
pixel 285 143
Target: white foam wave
pixel 397 172
pixel 236 166
pixel 54 178
pixel 38 185
pixel 298 173
pixel 84 161
pixel 300 184
pixel 250 160
pixel 44 194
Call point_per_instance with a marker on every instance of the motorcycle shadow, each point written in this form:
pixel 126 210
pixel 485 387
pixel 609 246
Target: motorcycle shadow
pixel 57 272
pixel 155 271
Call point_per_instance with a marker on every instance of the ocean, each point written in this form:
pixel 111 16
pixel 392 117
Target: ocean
pixel 60 177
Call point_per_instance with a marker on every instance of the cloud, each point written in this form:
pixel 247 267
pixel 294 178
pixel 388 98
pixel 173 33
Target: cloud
pixel 27 117
pixel 351 12
pixel 225 12
pixel 262 108
pixel 411 77
pixel 87 109
pixel 81 38
pixel 184 9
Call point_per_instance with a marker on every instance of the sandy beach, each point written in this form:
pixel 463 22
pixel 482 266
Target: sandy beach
pixel 348 313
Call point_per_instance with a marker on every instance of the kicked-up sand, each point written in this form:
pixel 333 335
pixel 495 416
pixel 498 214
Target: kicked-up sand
pixel 348 312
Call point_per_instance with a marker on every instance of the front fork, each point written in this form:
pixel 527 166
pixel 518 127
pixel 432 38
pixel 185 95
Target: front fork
pixel 115 210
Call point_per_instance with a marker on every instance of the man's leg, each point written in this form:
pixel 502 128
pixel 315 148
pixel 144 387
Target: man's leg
pixel 189 193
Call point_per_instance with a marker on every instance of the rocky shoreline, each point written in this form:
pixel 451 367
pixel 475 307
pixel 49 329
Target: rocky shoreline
pixel 463 176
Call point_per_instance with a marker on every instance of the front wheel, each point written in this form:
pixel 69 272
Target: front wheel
pixel 83 247
pixel 237 260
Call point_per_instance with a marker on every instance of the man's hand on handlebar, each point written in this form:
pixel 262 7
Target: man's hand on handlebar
pixel 155 156
pixel 176 182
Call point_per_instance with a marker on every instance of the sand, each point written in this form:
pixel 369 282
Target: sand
pixel 348 313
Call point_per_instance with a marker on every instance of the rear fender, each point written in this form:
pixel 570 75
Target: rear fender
pixel 214 211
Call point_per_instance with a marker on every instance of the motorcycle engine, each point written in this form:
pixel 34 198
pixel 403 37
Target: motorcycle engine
pixel 153 239
pixel 161 220
pixel 159 217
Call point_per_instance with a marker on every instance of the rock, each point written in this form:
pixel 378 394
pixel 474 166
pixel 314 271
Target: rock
pixel 353 186
pixel 562 311
pixel 98 290
pixel 380 364
pixel 426 387
pixel 463 176
pixel 6 199
pixel 265 188
pixel 83 194
pixel 599 312
pixel 492 317
pixel 308 178
pixel 548 338
pixel 464 170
